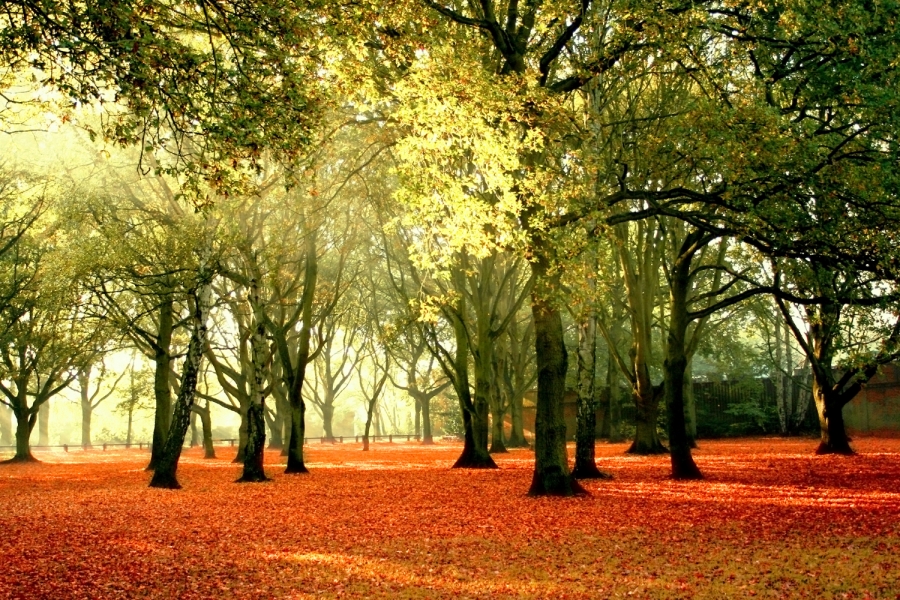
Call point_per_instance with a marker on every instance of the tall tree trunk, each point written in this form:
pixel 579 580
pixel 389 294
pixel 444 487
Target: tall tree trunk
pixel 614 411
pixel 646 438
pixel 586 417
pixel 254 456
pixel 297 373
pixel 25 421
pixel 164 476
pixel 551 462
pixel 675 365
pixel 475 453
pixel 370 417
pixel 195 435
pixel 517 421
pixel 328 420
pixel 487 404
pixel 783 401
pixel 273 421
pixel 295 462
pixel 44 424
pixel 161 389
pixel 209 450
pixel 427 436
pixel 87 412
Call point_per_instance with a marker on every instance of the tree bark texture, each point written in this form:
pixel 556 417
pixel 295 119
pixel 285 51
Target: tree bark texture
pixel 676 363
pixel 162 391
pixel 586 417
pixel 164 476
pixel 551 462
pixel 475 453
pixel 256 422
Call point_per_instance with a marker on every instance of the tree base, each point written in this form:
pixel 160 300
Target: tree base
pixel 840 449
pixel 555 484
pixel 20 459
pixel 164 482
pixel 646 449
pixel 689 474
pixel 473 461
pixel 589 471
pixel 428 441
pixel 295 467
pixel 209 455
pixel 498 450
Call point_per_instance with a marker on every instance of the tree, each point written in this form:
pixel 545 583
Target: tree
pixel 140 387
pixel 43 337
pixel 851 330
pixel 164 474
pixel 90 400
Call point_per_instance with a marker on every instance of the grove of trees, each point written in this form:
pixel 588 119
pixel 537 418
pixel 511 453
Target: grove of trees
pixel 280 206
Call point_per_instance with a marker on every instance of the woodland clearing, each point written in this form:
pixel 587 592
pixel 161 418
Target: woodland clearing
pixel 770 520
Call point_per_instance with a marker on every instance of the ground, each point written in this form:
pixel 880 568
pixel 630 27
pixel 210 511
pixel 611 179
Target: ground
pixel 770 520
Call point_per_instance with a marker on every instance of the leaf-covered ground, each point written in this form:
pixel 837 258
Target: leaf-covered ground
pixel 771 520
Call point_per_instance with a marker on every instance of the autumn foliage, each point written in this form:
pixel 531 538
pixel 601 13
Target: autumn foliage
pixel 770 520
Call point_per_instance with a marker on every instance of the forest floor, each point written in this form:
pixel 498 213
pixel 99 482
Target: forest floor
pixel 770 520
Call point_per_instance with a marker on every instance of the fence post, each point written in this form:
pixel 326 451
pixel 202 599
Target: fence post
pixel 66 447
pixel 104 446
pixel 391 438
pixel 232 442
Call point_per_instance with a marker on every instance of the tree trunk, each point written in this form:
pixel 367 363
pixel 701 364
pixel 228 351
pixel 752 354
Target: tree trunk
pixel 161 389
pixel 675 365
pixel 783 401
pixel 614 411
pixel 24 424
pixel 256 443
pixel 164 476
pixel 195 435
pixel 87 412
pixel 427 436
pixel 833 434
pixel 328 420
pixel 486 401
pixel 254 455
pixel 276 442
pixel 44 424
pixel 209 450
pixel 551 462
pixel 475 453
pixel 646 438
pixel 517 432
pixel 295 462
pixel 586 418
pixel 370 417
